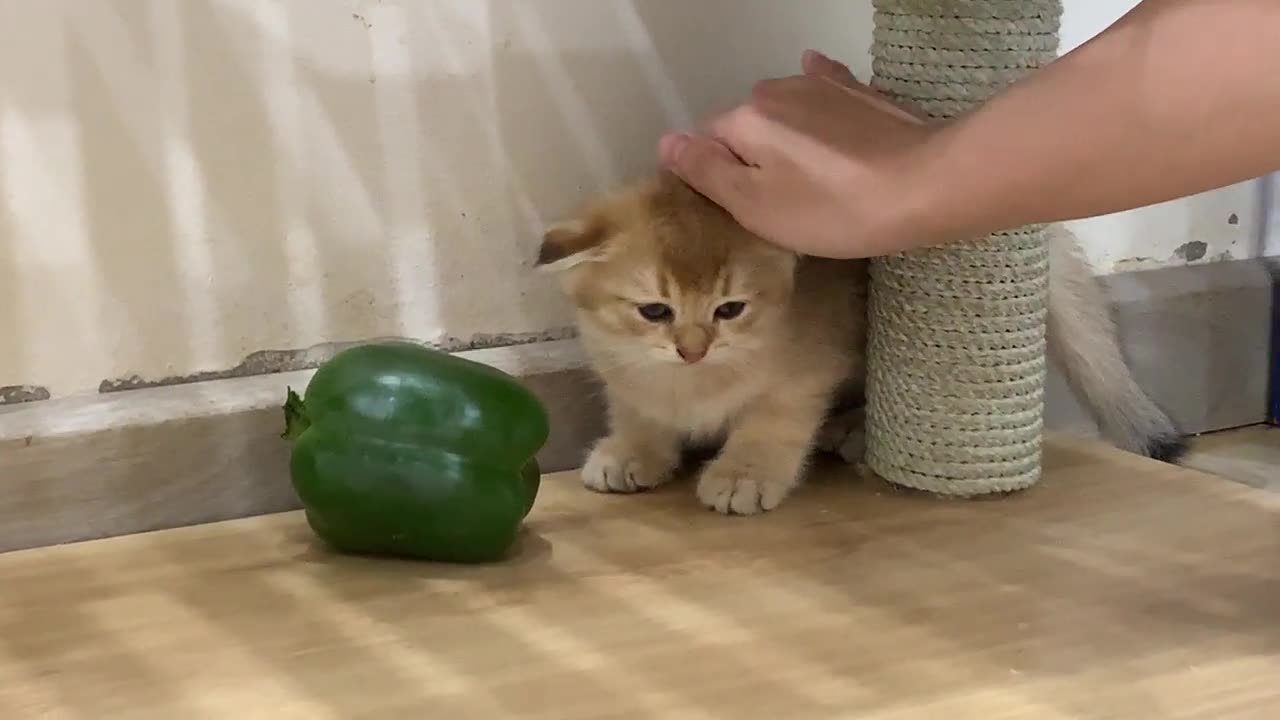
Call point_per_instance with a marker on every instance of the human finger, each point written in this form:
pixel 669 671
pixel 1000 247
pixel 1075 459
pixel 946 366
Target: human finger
pixel 878 100
pixel 815 63
pixel 710 168
pixel 738 130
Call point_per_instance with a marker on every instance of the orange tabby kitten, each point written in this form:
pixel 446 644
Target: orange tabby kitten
pixel 704 333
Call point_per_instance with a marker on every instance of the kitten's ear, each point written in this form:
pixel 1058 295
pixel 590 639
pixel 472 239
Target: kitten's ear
pixel 572 242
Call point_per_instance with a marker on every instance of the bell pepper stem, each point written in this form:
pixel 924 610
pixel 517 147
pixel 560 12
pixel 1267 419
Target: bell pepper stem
pixel 296 421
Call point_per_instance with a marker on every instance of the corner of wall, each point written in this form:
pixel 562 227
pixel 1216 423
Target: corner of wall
pixel 1269 220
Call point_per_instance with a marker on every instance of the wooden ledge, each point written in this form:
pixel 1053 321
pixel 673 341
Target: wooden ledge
pixel 1117 587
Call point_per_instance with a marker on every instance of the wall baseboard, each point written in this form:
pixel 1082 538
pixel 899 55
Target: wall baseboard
pixel 118 463
pixel 111 464
pixel 1197 338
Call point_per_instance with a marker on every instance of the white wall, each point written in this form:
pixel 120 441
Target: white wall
pixel 1220 225
pixel 185 183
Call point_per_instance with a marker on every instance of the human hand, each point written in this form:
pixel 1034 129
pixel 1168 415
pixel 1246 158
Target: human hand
pixel 819 163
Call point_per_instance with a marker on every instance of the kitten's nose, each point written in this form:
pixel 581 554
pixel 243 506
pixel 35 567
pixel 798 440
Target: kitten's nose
pixel 691 355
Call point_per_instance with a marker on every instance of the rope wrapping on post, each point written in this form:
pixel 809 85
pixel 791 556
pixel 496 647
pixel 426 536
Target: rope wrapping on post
pixel 956 356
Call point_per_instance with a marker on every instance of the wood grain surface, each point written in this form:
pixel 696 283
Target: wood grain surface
pixel 1117 588
pixel 1250 455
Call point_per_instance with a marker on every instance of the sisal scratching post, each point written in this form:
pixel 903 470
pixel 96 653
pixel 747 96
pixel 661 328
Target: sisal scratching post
pixel 956 359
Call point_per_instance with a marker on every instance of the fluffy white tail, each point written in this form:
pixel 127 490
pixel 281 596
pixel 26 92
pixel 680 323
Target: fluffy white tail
pixel 1082 339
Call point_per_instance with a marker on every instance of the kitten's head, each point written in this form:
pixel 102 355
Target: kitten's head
pixel 658 273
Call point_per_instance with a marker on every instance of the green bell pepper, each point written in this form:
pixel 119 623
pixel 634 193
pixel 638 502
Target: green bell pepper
pixel 403 450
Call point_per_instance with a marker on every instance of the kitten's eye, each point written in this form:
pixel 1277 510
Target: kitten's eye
pixel 656 312
pixel 730 310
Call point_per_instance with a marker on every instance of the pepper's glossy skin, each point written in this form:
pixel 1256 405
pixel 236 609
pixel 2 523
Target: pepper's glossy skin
pixel 403 450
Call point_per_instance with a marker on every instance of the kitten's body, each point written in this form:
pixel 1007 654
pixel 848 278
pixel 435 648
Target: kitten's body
pixel 756 346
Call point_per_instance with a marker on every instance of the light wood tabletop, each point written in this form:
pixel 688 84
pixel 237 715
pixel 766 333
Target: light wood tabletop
pixel 1117 588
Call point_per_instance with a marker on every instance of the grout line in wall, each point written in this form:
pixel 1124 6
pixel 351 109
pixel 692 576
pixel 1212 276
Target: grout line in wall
pixel 1269 225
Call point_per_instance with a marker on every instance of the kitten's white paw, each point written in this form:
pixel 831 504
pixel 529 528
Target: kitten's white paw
pixel 853 449
pixel 829 437
pixel 844 435
pixel 735 490
pixel 612 468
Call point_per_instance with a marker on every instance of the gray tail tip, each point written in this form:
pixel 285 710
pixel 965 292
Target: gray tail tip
pixel 1167 448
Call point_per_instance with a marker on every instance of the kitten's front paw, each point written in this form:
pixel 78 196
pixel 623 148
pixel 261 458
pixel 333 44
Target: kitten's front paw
pixel 736 489
pixel 844 435
pixel 853 449
pixel 613 468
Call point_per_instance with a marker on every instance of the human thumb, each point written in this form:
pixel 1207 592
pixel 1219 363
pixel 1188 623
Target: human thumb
pixel 710 168
pixel 815 63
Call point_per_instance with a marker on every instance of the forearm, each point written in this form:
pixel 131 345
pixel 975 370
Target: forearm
pixel 1178 97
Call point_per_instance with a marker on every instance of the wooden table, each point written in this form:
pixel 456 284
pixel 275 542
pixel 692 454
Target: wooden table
pixel 1117 588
